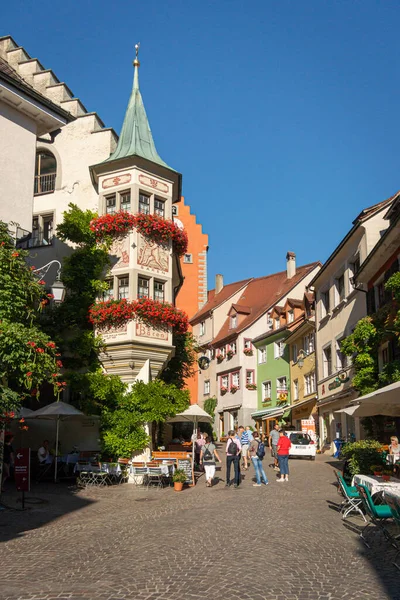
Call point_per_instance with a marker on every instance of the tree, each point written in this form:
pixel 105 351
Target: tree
pixel 28 357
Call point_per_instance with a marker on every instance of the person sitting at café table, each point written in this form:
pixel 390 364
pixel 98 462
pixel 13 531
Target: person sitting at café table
pixel 394 448
pixel 43 454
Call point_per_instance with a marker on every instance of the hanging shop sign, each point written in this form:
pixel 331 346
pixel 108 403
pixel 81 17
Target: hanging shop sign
pixel 338 381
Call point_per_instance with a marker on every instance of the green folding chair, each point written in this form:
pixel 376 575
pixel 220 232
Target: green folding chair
pixel 378 513
pixel 352 501
pixel 394 504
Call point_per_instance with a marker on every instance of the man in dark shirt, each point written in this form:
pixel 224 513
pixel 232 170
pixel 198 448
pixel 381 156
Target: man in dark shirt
pixel 8 458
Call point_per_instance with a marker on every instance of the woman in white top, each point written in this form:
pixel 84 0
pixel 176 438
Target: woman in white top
pixel 394 448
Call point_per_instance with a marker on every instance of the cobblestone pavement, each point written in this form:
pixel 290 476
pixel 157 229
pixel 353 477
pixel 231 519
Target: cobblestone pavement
pixel 278 542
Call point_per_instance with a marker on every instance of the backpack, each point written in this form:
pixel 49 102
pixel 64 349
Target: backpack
pixel 207 454
pixel 233 449
pixel 260 450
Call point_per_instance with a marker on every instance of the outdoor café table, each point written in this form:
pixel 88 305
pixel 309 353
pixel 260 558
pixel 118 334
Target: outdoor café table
pixel 110 468
pixel 376 485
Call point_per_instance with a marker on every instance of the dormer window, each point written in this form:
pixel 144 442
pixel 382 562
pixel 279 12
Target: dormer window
pixel 290 316
pixel 233 321
pixel 277 323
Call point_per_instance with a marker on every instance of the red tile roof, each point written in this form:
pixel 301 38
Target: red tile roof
pixel 260 295
pixel 215 300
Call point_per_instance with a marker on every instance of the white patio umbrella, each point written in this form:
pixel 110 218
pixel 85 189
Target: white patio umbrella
pixel 385 401
pixel 57 411
pixel 194 414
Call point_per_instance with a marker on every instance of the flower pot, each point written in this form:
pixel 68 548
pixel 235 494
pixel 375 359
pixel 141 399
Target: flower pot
pixel 377 473
pixel 386 477
pixel 178 485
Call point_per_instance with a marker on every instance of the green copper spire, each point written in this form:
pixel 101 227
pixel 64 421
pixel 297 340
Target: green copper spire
pixel 136 138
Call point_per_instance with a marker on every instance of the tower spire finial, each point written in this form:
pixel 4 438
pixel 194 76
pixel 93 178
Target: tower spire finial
pixel 136 62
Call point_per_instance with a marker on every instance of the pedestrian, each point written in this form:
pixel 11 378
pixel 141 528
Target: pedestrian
pixel 233 448
pixel 284 444
pixel 249 433
pixel 244 442
pixel 207 458
pixel 257 452
pixel 273 442
pixel 8 458
pixel 199 443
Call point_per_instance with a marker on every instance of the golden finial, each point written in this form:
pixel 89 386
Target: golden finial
pixel 136 62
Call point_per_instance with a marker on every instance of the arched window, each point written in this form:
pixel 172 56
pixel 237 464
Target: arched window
pixel 45 172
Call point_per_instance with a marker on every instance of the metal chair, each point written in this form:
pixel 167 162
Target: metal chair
pixel 378 513
pixel 155 474
pixel 124 464
pixel 352 501
pixel 139 474
pixel 394 504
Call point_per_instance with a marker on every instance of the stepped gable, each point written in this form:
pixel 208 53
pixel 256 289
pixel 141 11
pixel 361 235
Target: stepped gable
pixel 260 295
pixel 214 300
pixel 33 74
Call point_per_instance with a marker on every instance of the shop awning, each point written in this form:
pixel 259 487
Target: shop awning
pixel 269 413
pixel 385 401
pixel 234 407
pixel 303 402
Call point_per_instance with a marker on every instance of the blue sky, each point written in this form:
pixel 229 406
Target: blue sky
pixel 282 116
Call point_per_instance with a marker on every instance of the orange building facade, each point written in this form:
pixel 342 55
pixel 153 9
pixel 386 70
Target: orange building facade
pixel 193 293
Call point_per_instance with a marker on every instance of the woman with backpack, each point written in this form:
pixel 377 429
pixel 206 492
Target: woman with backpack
pixel 257 453
pixel 208 452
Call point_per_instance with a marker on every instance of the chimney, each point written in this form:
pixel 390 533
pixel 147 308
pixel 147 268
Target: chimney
pixel 290 265
pixel 219 283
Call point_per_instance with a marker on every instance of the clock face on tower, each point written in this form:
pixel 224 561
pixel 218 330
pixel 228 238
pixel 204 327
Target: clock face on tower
pixel 178 223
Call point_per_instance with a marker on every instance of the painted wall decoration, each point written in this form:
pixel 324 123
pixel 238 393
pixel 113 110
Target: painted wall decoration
pixel 120 249
pixel 152 255
pixel 143 330
pixel 117 180
pixel 115 332
pixel 154 183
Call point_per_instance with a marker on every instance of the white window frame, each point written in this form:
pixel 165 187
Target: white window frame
pixel 226 379
pixel 125 294
pixel 202 328
pixel 262 355
pixel 281 384
pixel 144 205
pixel 235 379
pixel 279 348
pixel 295 389
pixel 141 278
pixel 233 322
pixel 156 292
pixel 188 258
pixel 123 205
pixel 294 353
pixel 338 298
pixel 290 316
pixel 325 362
pixel 108 198
pixel 249 376
pixel 309 383
pixel 207 387
pixel 324 311
pixel 277 323
pixel 157 210
pixel 233 347
pixel 267 389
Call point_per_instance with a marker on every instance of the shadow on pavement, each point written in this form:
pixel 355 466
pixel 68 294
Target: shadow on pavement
pixel 45 502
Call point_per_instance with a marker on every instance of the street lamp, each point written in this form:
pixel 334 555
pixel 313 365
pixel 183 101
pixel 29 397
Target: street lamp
pixel 300 358
pixel 57 287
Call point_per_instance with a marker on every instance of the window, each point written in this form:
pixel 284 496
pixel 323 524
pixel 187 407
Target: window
pixel 159 207
pixel 125 199
pixel 340 357
pixel 270 323
pixel 123 287
pixel 309 383
pixel 249 377
pixel 247 345
pixel 109 292
pixel 233 323
pixel 296 389
pixel 188 258
pixel 159 291
pixel 279 348
pixel 42 231
pixel 202 328
pixel 340 293
pixel 45 173
pixel 281 385
pixel 232 347
pixel 325 303
pixel 175 211
pixel 277 323
pixel 294 353
pixel 206 387
pixel 385 355
pixel 309 343
pixel 144 204
pixel 266 386
pixel 354 267
pixel 327 360
pixel 380 294
pixel 235 379
pixel 143 287
pixel 111 204
pixel 290 316
pixel 262 355
pixel 224 381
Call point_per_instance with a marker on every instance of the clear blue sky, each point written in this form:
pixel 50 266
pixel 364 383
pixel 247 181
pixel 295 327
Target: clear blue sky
pixel 282 116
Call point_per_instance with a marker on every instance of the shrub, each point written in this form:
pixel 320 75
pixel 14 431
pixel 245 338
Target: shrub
pixel 362 456
pixel 179 476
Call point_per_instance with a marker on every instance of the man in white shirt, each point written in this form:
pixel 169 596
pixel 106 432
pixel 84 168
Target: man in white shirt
pixel 44 454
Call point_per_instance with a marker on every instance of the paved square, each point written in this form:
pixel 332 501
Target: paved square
pixel 277 542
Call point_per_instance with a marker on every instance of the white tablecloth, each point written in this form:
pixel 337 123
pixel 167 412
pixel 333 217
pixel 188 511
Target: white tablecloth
pixel 109 468
pixel 376 484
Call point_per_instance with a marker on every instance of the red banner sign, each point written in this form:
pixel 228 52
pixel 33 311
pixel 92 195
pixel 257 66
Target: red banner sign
pixel 22 469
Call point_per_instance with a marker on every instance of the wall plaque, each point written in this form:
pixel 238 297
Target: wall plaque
pixel 117 180
pixel 160 186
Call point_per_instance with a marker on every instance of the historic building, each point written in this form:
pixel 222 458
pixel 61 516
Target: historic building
pixel 226 326
pixel 193 293
pixel 84 163
pixel 339 307
pixel 25 115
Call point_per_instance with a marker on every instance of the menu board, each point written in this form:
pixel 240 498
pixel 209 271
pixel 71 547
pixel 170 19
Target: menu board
pixel 186 465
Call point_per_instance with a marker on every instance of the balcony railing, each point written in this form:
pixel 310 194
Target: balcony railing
pixel 45 183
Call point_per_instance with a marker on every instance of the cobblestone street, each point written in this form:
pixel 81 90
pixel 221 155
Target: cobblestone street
pixel 280 542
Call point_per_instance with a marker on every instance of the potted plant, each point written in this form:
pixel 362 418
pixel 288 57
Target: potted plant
pixel 266 401
pixel 179 478
pixel 251 386
pixel 234 389
pixel 229 354
pixel 220 358
pixel 248 351
pixel 386 474
pixel 377 470
pixel 223 390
